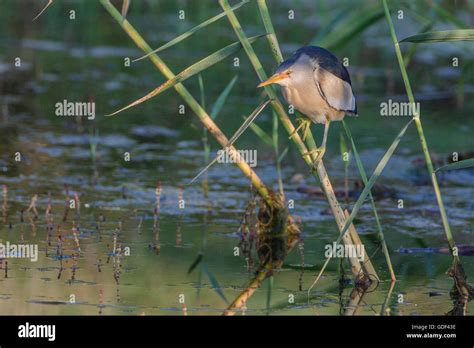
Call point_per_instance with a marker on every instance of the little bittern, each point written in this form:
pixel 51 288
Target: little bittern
pixel 316 83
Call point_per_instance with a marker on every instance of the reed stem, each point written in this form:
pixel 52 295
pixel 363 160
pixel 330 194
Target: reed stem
pixel 419 127
pixel 363 175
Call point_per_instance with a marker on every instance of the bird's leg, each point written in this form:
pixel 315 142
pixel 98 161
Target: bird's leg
pixel 305 124
pixel 320 151
pixel 306 128
pixel 322 148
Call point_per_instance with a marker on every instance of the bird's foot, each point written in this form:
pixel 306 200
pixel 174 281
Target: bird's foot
pixel 305 125
pixel 319 152
pixel 319 158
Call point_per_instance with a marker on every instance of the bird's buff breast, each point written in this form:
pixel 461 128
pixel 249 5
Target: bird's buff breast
pixel 311 104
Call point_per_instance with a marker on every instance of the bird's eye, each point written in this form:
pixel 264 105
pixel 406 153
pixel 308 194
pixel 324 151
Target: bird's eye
pixel 288 73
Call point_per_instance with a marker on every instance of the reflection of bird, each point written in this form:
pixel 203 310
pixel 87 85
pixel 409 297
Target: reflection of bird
pixel 316 83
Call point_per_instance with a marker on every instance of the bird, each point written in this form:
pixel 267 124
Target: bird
pixel 318 85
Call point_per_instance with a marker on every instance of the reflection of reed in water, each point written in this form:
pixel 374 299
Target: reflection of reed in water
pixel 99 265
pixel 22 233
pixel 301 249
pixel 156 210
pixel 59 253
pixel 385 310
pixel 77 204
pixel 33 226
pixel 75 253
pixel 32 206
pixel 140 222
pixel 4 262
pixel 247 232
pixel 73 267
pixel 32 219
pixel 49 222
pixel 462 292
pixel 66 207
pixel 101 301
pixel 156 243
pixel 179 235
pixel 5 203
pixel 156 219
pixel 358 297
pixel 75 230
pixel 4 267
pixel 181 205
pixel 116 256
pixel 99 222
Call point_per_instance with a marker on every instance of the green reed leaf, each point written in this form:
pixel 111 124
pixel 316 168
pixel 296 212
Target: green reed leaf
pixel 365 192
pixel 196 262
pixel 191 31
pixel 283 154
pixel 248 121
pixel 421 134
pixel 363 175
pixel 267 22
pixel 351 27
pixel 220 101
pixel 343 149
pixel 457 165
pixel 442 36
pixel 261 134
pixel 192 70
pixel 215 284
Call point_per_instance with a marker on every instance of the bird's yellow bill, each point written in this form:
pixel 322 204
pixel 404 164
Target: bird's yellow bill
pixel 273 79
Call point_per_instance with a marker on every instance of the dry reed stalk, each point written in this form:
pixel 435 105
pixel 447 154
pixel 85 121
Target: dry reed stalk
pixel 367 264
pixel 356 301
pixel 385 310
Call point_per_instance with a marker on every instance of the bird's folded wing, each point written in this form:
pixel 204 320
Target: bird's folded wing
pixel 337 92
